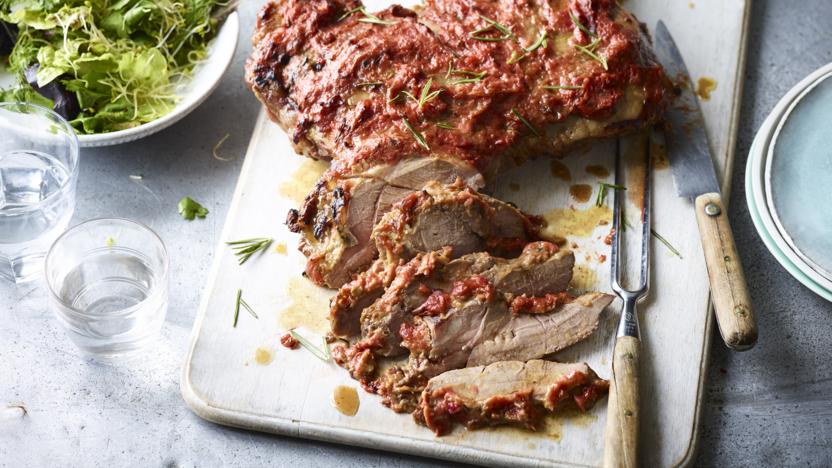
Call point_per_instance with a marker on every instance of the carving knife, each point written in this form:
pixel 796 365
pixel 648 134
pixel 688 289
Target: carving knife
pixel 695 178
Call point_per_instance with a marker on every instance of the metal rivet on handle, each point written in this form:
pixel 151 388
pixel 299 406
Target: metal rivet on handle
pixel 712 209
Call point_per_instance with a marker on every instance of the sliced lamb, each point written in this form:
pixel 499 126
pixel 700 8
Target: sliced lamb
pixel 532 336
pixel 508 392
pixel 337 218
pixel 456 216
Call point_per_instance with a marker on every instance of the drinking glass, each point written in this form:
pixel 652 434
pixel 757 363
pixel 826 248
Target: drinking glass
pixel 108 283
pixel 38 173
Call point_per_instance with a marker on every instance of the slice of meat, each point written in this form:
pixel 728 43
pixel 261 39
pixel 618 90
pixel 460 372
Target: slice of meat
pixel 507 392
pixel 409 291
pixel 533 336
pixel 337 218
pixel 456 216
pixel 480 333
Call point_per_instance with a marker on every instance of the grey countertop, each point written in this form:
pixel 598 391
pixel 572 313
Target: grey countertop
pixel 767 407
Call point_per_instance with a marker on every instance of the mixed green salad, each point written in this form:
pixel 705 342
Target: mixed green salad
pixel 104 65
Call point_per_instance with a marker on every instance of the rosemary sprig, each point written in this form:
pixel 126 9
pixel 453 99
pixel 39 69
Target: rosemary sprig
pixel 580 26
pixel 589 50
pixel 556 88
pixel 525 122
pixel 476 34
pixel 445 125
pixel 426 96
pixel 323 355
pixel 416 135
pixel 666 243
pixel 245 248
pixel 602 192
pixel 540 42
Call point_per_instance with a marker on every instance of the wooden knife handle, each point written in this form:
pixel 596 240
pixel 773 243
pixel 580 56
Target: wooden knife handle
pixel 729 292
pixel 621 436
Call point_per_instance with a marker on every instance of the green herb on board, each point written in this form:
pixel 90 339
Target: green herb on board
pixel 191 209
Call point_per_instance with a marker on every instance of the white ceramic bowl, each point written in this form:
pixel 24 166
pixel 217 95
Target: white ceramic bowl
pixel 204 80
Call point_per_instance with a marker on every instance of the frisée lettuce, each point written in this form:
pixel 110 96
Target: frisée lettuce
pixel 121 60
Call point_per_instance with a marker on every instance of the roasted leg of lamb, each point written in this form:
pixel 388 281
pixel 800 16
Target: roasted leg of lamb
pixel 417 109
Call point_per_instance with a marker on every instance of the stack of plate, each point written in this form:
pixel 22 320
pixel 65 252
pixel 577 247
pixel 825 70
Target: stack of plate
pixel 789 182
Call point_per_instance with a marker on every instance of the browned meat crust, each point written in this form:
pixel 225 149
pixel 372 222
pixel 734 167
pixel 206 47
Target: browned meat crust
pixel 351 90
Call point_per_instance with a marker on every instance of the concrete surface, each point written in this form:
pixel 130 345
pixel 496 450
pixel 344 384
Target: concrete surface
pixel 767 407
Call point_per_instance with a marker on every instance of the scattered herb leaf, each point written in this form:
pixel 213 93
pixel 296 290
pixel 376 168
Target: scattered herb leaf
pixel 602 191
pixel 216 149
pixel 350 13
pixel 556 88
pixel 525 122
pixel 540 42
pixel 248 308
pixel 318 353
pixel 580 26
pixel 492 25
pixel 666 243
pixel 426 96
pixel 515 57
pixel 237 307
pixel 369 84
pixel 244 249
pixel 468 76
pixel 416 135
pixel 589 50
pixel 190 209
pixel 445 125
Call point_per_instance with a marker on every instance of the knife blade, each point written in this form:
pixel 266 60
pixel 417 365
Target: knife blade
pixel 695 178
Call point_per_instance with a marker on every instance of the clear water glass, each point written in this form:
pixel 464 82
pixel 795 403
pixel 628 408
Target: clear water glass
pixel 108 283
pixel 38 173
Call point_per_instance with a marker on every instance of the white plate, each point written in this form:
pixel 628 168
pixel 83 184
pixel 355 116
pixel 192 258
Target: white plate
pixel 205 79
pixel 798 176
pixel 757 198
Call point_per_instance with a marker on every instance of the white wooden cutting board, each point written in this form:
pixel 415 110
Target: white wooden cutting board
pixel 289 394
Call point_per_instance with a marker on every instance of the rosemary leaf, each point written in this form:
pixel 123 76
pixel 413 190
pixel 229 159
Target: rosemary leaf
pixel 589 50
pixel 468 76
pixel 350 13
pixel 368 17
pixel 580 26
pixel 237 307
pixel 320 354
pixel 248 308
pixel 420 139
pixel 540 42
pixel 426 95
pixel 515 57
pixel 666 243
pixel 477 34
pixel 445 125
pixel 368 84
pixel 602 192
pixel 525 122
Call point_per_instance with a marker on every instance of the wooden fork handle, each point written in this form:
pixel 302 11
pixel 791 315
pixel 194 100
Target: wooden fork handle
pixel 621 436
pixel 729 292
